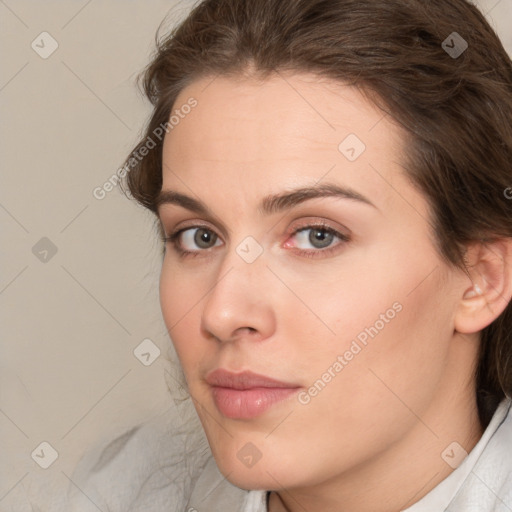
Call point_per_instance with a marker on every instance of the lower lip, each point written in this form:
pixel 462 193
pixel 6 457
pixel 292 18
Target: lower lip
pixel 248 403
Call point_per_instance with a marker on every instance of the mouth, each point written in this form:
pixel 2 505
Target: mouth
pixel 246 395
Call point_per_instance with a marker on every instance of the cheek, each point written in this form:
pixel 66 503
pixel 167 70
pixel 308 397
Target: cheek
pixel 392 328
pixel 333 305
pixel 180 301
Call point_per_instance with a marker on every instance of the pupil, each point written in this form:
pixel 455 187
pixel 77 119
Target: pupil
pixel 320 238
pixel 204 238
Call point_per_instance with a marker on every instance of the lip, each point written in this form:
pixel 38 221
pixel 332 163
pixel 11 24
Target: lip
pixel 246 395
pixel 244 380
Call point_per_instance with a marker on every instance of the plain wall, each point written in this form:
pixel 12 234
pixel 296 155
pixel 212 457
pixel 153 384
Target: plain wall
pixel 70 321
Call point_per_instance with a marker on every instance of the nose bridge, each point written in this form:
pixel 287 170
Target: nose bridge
pixel 237 300
pixel 243 267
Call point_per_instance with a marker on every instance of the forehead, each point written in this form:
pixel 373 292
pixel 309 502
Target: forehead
pixel 288 130
pixel 292 106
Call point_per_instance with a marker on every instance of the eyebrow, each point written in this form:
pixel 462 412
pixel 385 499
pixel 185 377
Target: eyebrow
pixel 271 204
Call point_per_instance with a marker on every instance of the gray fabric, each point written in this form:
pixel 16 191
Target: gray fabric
pixel 150 468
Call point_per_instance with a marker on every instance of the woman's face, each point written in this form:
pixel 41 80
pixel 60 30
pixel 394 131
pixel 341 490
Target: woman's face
pixel 305 256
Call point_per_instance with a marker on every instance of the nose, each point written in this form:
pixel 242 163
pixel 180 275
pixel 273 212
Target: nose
pixel 239 304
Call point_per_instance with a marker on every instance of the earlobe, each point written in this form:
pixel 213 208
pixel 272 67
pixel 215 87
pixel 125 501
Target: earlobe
pixel 489 267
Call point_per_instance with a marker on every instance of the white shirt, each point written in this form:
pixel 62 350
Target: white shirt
pixel 143 471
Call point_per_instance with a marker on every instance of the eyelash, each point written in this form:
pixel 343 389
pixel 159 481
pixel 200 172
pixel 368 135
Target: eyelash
pixel 182 253
pixel 312 253
pixel 319 253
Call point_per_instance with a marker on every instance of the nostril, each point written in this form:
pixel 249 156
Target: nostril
pixel 249 329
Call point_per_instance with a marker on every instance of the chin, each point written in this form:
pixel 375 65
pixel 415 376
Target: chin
pixel 255 479
pixel 265 473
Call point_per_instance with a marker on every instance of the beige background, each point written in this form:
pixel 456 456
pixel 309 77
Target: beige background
pixel 69 325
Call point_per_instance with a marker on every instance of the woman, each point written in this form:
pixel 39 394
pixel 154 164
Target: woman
pixel 332 183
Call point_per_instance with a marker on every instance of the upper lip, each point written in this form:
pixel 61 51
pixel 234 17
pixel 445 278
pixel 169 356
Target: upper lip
pixel 244 380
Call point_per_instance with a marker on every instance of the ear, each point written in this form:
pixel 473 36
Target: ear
pixel 487 290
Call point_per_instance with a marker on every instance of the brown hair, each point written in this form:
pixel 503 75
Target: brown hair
pixel 456 109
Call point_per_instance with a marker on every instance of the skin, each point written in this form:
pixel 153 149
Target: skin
pixel 372 439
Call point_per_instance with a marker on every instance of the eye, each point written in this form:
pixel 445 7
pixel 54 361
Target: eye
pixel 318 240
pixel 194 239
pixel 316 237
